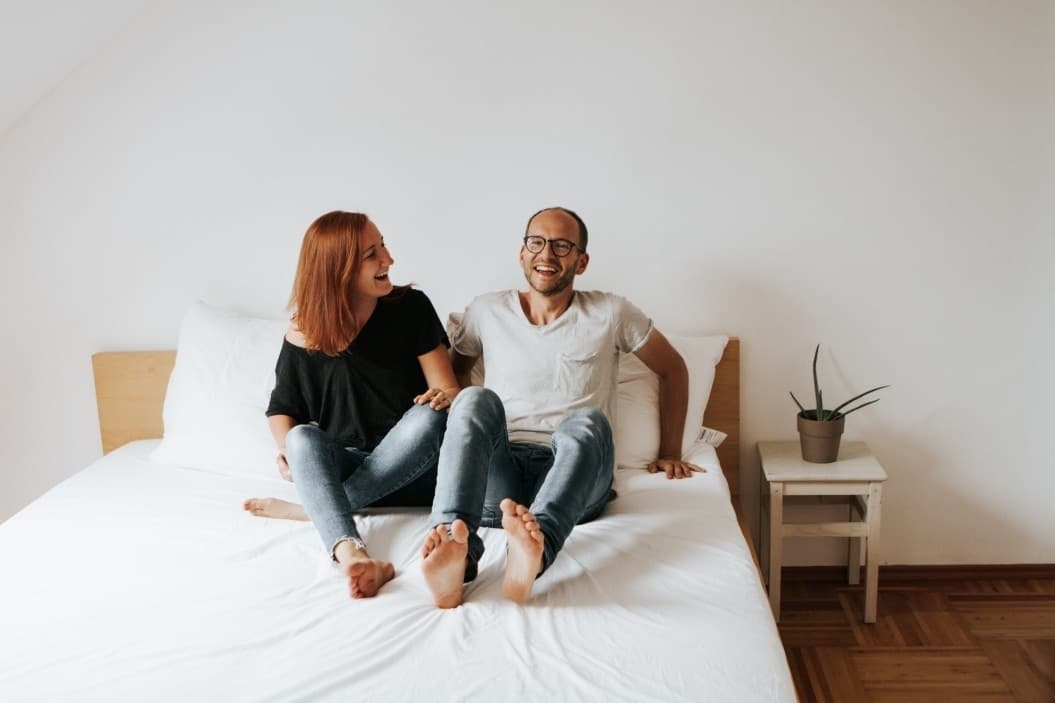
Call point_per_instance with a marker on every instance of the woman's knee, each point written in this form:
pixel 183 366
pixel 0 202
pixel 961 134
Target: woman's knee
pixel 305 450
pixel 422 418
pixel 301 438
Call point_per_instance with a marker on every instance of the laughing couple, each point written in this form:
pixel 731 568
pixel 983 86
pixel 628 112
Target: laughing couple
pixel 372 404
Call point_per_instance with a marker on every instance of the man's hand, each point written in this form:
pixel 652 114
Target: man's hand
pixel 674 468
pixel 283 467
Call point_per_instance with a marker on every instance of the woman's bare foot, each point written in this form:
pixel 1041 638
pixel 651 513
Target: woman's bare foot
pixel 524 541
pixel 365 575
pixel 444 566
pixel 276 508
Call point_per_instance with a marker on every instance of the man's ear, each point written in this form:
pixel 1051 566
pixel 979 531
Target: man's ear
pixel 580 267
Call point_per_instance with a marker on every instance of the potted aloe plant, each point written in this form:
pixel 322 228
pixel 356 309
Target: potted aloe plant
pixel 820 429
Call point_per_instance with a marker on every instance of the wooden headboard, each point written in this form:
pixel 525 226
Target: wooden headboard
pixel 130 391
pixel 723 412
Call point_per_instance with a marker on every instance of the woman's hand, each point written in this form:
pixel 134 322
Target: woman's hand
pixel 443 386
pixel 437 398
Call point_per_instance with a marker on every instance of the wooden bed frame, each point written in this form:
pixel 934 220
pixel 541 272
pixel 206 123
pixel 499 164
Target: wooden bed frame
pixel 130 391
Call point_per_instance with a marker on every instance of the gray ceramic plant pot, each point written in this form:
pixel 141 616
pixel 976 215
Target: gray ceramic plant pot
pixel 820 440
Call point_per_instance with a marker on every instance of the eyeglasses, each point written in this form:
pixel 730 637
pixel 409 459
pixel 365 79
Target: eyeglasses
pixel 560 247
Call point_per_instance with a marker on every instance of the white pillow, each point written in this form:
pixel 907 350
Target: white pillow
pixel 219 391
pixel 476 374
pixel 637 410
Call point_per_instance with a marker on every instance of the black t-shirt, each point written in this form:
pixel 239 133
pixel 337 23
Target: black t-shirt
pixel 360 394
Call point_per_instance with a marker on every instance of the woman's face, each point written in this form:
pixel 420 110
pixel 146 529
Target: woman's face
pixel 374 262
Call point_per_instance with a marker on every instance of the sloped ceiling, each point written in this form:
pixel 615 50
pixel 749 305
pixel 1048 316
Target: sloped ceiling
pixel 44 41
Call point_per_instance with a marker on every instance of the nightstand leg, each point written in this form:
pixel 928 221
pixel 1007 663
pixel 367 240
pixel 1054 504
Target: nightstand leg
pixel 776 540
pixel 763 532
pixel 853 559
pixel 875 498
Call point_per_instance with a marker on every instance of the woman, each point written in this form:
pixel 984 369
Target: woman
pixel 362 385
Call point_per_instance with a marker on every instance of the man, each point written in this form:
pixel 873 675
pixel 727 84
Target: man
pixel 551 355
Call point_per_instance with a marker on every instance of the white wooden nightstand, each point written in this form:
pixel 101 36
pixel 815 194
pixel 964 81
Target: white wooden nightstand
pixel 856 475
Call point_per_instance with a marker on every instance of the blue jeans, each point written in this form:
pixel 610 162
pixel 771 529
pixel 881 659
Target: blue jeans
pixel 564 484
pixel 476 429
pixel 334 479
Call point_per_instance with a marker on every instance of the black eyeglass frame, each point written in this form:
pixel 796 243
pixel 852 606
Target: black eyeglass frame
pixel 571 245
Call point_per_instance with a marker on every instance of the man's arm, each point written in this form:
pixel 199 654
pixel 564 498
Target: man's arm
pixel 664 360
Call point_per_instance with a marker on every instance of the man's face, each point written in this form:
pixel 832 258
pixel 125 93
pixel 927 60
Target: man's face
pixel 545 271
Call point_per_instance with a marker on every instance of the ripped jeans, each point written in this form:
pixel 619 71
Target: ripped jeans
pixel 335 480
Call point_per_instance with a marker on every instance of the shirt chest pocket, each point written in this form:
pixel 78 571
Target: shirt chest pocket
pixel 575 373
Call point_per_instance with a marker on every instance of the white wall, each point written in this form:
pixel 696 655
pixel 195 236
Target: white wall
pixel 41 41
pixel 868 177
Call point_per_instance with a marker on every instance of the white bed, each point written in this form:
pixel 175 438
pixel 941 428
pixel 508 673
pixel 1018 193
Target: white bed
pixel 141 577
pixel 139 581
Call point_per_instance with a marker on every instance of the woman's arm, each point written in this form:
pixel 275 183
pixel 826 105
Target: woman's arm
pixel 280 426
pixel 443 386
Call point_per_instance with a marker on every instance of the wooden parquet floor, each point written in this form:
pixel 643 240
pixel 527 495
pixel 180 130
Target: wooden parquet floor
pixel 934 640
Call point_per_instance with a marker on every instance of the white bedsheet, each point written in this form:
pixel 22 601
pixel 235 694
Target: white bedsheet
pixel 138 581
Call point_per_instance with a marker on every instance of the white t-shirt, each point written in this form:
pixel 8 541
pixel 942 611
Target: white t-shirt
pixel 542 372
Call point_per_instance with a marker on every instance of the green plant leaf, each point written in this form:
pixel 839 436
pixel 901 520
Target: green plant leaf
pixel 817 386
pixel 862 405
pixel 877 388
pixel 801 409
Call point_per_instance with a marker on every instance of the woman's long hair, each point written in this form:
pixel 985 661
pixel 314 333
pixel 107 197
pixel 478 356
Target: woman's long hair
pixel 325 282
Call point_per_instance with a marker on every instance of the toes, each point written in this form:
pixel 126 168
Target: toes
pixel 460 531
pixel 508 506
pixel 430 543
pixel 362 580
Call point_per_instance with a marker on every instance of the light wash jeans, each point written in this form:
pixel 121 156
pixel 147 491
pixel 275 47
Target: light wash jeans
pixel 334 480
pixel 565 484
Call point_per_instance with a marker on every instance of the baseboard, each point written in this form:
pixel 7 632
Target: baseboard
pixel 912 572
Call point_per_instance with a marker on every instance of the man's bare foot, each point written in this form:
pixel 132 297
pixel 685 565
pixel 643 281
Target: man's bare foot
pixel 366 576
pixel 444 566
pixel 524 541
pixel 276 508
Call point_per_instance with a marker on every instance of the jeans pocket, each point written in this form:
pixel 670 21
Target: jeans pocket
pixel 575 372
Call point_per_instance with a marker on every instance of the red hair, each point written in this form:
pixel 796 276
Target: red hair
pixel 325 282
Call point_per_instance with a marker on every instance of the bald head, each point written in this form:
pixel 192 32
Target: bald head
pixel 563 213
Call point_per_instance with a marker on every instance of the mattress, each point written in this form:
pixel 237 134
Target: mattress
pixel 139 581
